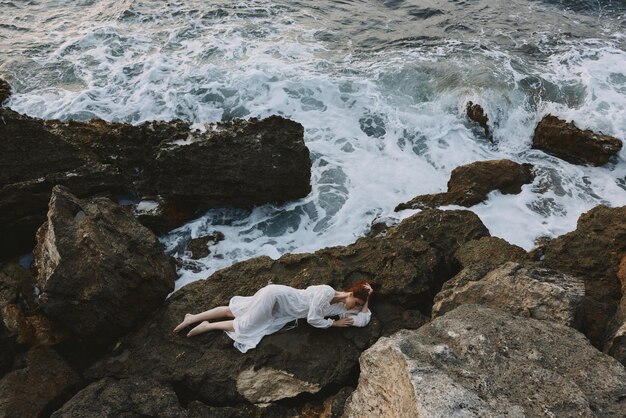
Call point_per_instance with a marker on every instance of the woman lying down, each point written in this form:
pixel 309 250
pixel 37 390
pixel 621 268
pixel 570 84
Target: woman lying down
pixel 250 318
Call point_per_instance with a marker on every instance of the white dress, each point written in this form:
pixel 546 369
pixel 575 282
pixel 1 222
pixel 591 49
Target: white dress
pixel 274 306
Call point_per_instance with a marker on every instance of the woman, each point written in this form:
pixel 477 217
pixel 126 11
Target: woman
pixel 274 306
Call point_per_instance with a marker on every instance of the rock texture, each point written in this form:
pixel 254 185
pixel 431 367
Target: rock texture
pixel 99 270
pixel 408 266
pixel 475 361
pixel 40 381
pixel 490 252
pixel 522 290
pixel 239 163
pixel 476 113
pixel 471 183
pixel 5 91
pixel 616 342
pixel 593 252
pixel 566 141
pixel 199 247
pixel 127 398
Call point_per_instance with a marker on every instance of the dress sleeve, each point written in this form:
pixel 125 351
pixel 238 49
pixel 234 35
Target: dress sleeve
pixel 359 319
pixel 319 306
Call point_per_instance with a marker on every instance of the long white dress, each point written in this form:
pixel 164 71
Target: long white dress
pixel 274 306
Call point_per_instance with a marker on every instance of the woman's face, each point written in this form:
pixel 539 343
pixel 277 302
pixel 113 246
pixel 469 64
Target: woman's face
pixel 351 302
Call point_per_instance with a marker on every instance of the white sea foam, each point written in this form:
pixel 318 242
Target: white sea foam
pixel 381 127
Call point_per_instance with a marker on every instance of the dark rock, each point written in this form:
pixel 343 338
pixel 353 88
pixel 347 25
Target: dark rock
pixel 134 397
pixel 476 113
pixel 21 316
pixel 564 140
pixel 41 380
pixel 5 91
pixel 593 252
pixel 490 251
pixel 239 163
pixel 199 247
pixel 616 341
pixel 476 361
pixel 100 272
pixel 471 183
pixel 408 265
pixel 523 290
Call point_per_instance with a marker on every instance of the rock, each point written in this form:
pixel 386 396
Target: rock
pixel 100 272
pixel 199 247
pixel 490 251
pixel 615 345
pixel 593 252
pixel 44 376
pixel 238 163
pixel 564 140
pixel 476 361
pixel 126 397
pixel 522 290
pixel 21 316
pixel 408 265
pixel 477 114
pixel 5 91
pixel 471 183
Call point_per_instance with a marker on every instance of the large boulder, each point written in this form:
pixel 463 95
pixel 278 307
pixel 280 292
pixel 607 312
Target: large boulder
pixel 593 252
pixel 490 252
pixel 524 290
pixel 471 183
pixel 40 383
pixel 99 271
pixel 570 143
pixel 476 361
pixel 183 171
pixel 407 265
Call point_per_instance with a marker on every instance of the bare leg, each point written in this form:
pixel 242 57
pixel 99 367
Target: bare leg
pixel 215 313
pixel 211 326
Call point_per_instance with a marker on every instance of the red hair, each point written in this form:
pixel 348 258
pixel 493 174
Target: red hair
pixel 359 290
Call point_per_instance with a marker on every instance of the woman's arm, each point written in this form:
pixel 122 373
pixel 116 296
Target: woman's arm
pixel 315 316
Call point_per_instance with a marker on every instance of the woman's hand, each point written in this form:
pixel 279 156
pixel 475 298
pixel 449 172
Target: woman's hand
pixel 368 287
pixel 343 322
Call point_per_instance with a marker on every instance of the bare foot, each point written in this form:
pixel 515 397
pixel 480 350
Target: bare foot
pixel 203 327
pixel 186 322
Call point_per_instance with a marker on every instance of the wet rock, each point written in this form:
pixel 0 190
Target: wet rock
pixel 46 379
pixel 21 316
pixel 471 183
pixel 407 265
pixel 5 91
pixel 199 247
pixel 476 361
pixel 593 252
pixel 522 290
pixel 616 342
pixel 489 251
pixel 126 397
pixel 476 113
pixel 100 272
pixel 566 141
pixel 238 163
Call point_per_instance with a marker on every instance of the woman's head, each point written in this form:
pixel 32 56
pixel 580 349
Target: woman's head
pixel 360 294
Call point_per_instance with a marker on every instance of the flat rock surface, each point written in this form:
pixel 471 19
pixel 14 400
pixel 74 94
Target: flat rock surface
pixel 99 271
pixel 565 140
pixel 476 361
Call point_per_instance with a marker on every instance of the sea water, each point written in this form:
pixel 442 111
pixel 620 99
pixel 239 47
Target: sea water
pixel 379 86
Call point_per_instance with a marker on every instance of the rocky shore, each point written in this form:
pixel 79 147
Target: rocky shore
pixel 463 323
